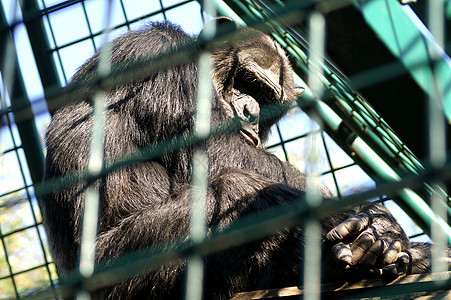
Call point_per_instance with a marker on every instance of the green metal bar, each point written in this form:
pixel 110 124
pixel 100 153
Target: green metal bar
pixel 312 227
pixel 52 35
pixel 194 283
pixel 127 22
pixel 85 13
pixel 27 129
pixel 95 162
pixel 420 211
pixel 437 141
pixel 329 161
pixel 225 10
pixel 417 51
pixel 380 137
pixel 409 197
pixel 282 142
pixel 334 121
pixel 33 212
pixel 31 142
pixel 2 236
pixel 40 46
pixel 198 220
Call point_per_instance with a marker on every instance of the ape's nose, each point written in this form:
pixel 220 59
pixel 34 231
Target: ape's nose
pixel 251 115
pixel 250 110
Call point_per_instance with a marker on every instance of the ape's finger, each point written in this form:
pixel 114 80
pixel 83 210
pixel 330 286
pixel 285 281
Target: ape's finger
pixel 360 246
pixel 403 259
pixel 348 228
pixel 342 252
pixel 391 254
pixel 373 253
pixel 400 266
pixel 394 270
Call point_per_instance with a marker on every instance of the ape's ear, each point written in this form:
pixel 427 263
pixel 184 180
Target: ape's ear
pixel 223 26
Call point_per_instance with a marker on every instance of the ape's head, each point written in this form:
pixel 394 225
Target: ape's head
pixel 249 75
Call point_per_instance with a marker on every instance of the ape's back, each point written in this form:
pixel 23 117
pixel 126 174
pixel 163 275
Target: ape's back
pixel 138 114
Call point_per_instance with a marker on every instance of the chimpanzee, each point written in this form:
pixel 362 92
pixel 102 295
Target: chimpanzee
pixel 148 203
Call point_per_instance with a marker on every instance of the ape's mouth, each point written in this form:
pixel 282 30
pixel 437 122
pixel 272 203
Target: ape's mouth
pixel 247 110
pixel 250 134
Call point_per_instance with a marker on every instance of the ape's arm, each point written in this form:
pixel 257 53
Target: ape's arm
pixel 367 235
pixel 232 194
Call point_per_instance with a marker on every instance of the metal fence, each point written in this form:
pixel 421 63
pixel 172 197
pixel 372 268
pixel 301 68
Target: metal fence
pixel 43 42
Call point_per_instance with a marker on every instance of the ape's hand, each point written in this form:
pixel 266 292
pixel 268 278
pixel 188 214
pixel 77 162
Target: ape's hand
pixel 371 241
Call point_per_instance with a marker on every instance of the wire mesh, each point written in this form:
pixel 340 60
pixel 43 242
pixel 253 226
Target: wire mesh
pixel 23 237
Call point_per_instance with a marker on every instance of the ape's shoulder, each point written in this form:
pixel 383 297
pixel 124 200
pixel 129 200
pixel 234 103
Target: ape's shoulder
pixel 150 40
pixel 155 33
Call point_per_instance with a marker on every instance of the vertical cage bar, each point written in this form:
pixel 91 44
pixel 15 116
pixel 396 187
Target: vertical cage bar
pixel 329 161
pixel 312 239
pixel 195 265
pixel 95 164
pixel 437 137
pixel 56 52
pixel 91 34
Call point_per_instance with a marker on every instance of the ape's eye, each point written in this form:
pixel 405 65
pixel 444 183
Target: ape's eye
pixel 246 83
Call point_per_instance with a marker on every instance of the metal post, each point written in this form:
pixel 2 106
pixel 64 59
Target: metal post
pixel 95 166
pixel 312 257
pixel 437 137
pixel 195 264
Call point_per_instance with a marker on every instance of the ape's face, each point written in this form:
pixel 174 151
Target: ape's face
pixel 252 73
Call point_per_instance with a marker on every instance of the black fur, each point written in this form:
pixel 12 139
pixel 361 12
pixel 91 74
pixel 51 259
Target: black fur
pixel 149 203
